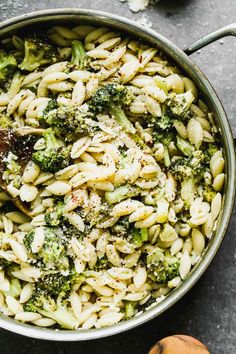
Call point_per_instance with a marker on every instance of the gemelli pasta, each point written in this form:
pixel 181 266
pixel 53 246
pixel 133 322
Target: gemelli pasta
pixel 111 183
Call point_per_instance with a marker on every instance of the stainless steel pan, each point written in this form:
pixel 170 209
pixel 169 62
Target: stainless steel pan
pixel 43 19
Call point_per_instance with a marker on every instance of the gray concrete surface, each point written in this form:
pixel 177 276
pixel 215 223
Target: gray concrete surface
pixel 209 310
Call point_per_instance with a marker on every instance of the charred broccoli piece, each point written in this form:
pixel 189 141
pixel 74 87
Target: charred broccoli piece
pixel 178 105
pixel 54 157
pixel 39 51
pixel 111 99
pixel 78 55
pixel 70 122
pixel 8 65
pixel 161 266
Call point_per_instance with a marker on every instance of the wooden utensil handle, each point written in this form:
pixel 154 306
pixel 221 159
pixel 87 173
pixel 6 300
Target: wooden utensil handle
pixel 179 344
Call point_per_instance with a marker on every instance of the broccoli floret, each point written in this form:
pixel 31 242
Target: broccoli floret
pixel 124 229
pixel 209 150
pixel 55 284
pixel 121 193
pixel 8 65
pixel 111 99
pixel 189 171
pixel 45 304
pixel 70 122
pixel 165 138
pixel 162 267
pixel 208 194
pixel 28 239
pixel 52 104
pixel 5 122
pixel 54 157
pixel 15 288
pixel 102 263
pixel 78 55
pixel 188 167
pixel 163 133
pixel 54 215
pixel 184 146
pixel 39 299
pixel 53 254
pixel 139 236
pixel 130 309
pixel 163 123
pixel 38 51
pixel 70 231
pixel 98 215
pixel 178 105
pixel 121 228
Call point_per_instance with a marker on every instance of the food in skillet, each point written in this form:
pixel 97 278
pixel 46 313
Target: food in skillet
pixel 121 188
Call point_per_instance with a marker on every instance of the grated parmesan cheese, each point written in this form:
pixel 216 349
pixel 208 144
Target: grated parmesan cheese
pixel 137 5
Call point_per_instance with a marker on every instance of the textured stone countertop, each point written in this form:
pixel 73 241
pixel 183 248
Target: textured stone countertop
pixel 208 311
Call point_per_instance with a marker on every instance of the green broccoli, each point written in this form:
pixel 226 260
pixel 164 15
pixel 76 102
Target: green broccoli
pixel 209 150
pixel 102 263
pixel 188 171
pixel 139 236
pixel 97 215
pixel 161 266
pixel 54 157
pixel 39 51
pixel 55 284
pixel 78 55
pixel 208 193
pixel 189 167
pixel 8 65
pixel 4 264
pixel 54 215
pixel 121 193
pixel 70 122
pixel 47 306
pixel 165 138
pixel 179 104
pixel 163 123
pixel 70 231
pixel 111 99
pixel 52 104
pixel 130 309
pixel 5 122
pixel 121 228
pixel 15 288
pixel 184 146
pixel 124 229
pixel 53 254
pixel 163 132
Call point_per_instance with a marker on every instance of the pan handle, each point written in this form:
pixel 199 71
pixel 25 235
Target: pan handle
pixel 229 30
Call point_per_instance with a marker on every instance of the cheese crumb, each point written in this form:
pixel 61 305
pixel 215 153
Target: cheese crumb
pixel 139 5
